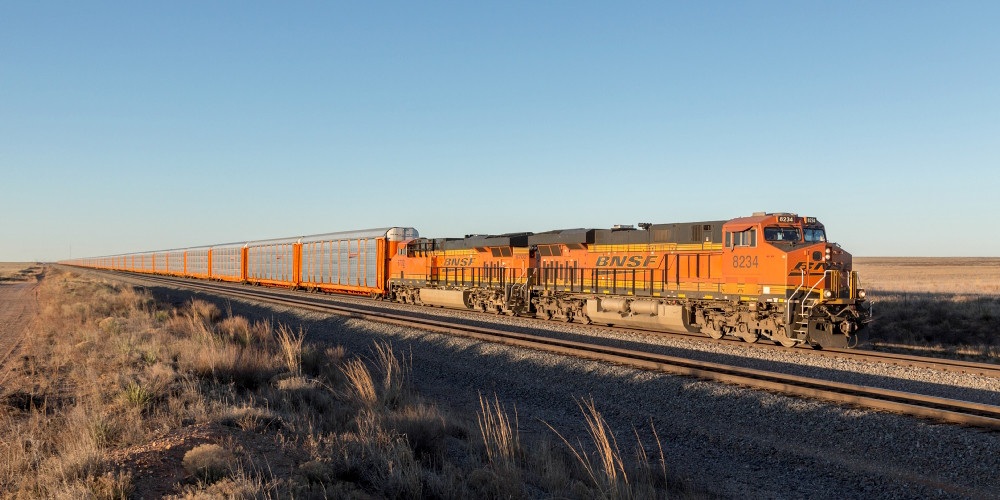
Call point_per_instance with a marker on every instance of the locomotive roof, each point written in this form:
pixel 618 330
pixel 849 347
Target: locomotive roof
pixel 683 232
pixel 482 240
pixel 564 236
pixel 759 217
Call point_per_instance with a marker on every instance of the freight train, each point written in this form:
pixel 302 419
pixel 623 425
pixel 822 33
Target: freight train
pixel 771 275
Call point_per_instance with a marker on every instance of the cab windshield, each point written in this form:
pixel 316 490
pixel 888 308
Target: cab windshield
pixel 790 234
pixel 815 235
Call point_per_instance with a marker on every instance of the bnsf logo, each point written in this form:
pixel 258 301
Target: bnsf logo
pixel 797 270
pixel 623 261
pixel 459 262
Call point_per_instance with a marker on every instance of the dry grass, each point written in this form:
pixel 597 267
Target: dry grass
pixel 940 304
pixel 500 438
pixel 110 375
pixel 18 271
pixel 291 348
pixel 208 462
pixel 606 469
pixel 970 275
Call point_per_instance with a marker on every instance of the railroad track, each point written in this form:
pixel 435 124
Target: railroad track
pixel 934 363
pixel 863 355
pixel 930 407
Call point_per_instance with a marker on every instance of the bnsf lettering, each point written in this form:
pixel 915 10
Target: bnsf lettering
pixel 625 261
pixel 459 262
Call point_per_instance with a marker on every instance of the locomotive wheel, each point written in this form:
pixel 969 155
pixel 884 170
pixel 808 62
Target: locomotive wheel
pixel 715 333
pixel 744 332
pixel 788 343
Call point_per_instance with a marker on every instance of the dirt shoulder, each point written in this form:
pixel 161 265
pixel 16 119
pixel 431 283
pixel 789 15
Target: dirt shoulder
pixel 18 305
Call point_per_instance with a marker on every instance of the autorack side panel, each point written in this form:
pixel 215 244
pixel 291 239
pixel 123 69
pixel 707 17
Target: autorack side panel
pixel 175 262
pixel 351 262
pixel 145 262
pixel 159 262
pixel 227 262
pixel 197 262
pixel 272 262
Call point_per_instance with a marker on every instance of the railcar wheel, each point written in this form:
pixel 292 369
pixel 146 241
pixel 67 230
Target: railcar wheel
pixel 788 343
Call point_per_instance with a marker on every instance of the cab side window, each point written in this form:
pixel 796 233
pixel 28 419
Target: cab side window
pixel 746 238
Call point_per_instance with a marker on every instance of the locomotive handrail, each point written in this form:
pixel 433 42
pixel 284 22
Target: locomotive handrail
pixel 813 288
pixel 791 298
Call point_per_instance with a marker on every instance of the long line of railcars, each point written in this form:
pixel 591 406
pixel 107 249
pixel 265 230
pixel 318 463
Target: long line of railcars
pixel 771 275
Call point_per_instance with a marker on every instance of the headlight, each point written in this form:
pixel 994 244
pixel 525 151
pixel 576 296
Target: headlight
pixel 828 293
pixel 862 294
pixel 827 254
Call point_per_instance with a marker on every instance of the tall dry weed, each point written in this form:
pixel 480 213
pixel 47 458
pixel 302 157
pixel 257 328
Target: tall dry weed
pixel 605 468
pixel 290 344
pixel 360 386
pixel 248 367
pixel 424 428
pixel 395 373
pixel 501 441
pixel 378 459
pixel 652 472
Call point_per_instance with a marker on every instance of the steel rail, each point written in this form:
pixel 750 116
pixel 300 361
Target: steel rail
pixel 898 359
pixel 930 407
pixel 946 364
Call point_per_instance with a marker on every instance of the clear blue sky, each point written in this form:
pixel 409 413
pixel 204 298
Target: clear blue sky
pixel 129 126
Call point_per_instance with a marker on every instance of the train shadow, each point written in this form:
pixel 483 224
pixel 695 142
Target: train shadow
pixel 325 329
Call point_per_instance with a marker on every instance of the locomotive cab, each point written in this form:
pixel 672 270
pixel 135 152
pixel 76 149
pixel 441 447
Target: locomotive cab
pixel 801 274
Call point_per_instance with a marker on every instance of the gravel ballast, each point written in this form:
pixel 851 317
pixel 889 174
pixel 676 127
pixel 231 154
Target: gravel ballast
pixel 727 440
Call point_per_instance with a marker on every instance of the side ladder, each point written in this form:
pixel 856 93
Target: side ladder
pixel 803 314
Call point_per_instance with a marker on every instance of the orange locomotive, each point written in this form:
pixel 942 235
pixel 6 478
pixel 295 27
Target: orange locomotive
pixel 770 275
